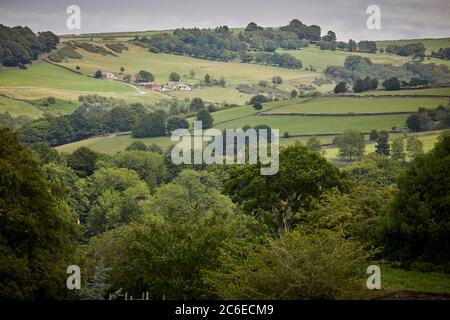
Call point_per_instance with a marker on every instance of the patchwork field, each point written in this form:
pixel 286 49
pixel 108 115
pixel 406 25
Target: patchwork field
pixel 43 79
pixel 241 116
pixel 161 65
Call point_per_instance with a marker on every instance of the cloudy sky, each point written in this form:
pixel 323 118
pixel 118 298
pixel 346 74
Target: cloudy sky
pixel 399 18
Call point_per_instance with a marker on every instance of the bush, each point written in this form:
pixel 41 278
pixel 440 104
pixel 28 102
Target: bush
pixel 340 87
pixel 258 106
pixel 359 85
pixel 176 122
pixel 205 117
pixel 259 98
pixel 136 145
pixel 288 268
pixel 51 100
pixel 174 77
pixel 391 84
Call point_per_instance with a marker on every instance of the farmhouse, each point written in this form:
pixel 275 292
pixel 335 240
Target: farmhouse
pixel 155 86
pixel 145 85
pixel 183 87
pixel 108 75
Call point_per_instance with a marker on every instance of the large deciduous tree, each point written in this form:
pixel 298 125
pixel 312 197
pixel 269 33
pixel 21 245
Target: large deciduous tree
pixel 280 198
pixel 418 226
pixel 36 233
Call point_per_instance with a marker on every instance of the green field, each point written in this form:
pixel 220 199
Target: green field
pixel 215 94
pixel 428 139
pixel 112 144
pixel 247 110
pixel 315 125
pixel 430 44
pixel 359 105
pixel 60 107
pixel 44 75
pixel 320 59
pixel 43 79
pixel 416 92
pixel 162 64
pixel 18 108
pixel 415 280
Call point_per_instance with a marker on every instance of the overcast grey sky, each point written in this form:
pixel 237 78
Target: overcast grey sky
pixel 399 18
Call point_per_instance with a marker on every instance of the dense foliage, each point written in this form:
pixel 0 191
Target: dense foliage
pixel 442 53
pixel 280 199
pixel 429 119
pixel 418 225
pixel 360 67
pixel 20 46
pixel 37 225
pixel 409 49
pixel 223 44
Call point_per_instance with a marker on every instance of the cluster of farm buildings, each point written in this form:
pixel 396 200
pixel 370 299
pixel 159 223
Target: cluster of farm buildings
pixel 155 86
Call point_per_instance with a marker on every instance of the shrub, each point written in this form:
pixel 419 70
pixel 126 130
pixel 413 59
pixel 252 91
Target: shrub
pixel 174 77
pixel 391 84
pixel 288 268
pixel 258 106
pixel 340 87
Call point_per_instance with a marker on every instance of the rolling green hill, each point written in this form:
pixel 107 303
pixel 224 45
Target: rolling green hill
pixel 43 79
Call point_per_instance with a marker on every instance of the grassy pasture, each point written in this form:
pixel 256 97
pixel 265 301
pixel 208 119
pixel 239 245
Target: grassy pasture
pixel 430 44
pixel 315 125
pixel 161 65
pixel 320 59
pixel 415 280
pixel 428 139
pixel 360 105
pixel 60 107
pixel 445 91
pixel 112 144
pixel 42 80
pixel 247 110
pixel 214 94
pixel 44 75
pixel 18 108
